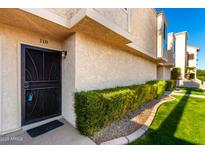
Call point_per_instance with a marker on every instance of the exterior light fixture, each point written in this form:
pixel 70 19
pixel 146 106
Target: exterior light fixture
pixel 64 54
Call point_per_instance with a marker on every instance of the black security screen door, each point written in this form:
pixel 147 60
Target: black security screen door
pixel 41 83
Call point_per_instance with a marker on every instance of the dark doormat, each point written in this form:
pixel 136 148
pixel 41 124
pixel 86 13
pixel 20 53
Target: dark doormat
pixel 34 132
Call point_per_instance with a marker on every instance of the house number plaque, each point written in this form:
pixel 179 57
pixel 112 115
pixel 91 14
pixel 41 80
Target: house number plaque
pixel 43 41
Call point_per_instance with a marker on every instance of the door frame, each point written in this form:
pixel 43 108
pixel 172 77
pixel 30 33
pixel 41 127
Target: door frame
pixel 22 78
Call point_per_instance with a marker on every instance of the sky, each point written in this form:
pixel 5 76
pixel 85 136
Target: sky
pixel 192 21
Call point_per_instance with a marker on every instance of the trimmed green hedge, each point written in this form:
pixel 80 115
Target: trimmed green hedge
pixel 99 108
pixel 192 76
pixel 161 84
pixel 176 73
pixel 170 85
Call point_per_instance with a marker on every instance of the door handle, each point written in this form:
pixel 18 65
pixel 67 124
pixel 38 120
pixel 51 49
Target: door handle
pixel 26 85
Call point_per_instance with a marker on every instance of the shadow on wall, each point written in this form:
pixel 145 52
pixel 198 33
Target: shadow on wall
pixel 164 135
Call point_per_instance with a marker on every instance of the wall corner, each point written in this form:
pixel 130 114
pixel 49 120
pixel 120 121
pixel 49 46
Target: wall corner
pixel 1 84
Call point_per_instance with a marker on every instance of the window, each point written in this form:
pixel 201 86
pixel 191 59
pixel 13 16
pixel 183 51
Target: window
pixel 173 49
pixel 165 31
pixel 191 56
pixel 165 37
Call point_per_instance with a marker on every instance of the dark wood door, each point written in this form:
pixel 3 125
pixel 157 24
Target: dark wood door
pixel 41 83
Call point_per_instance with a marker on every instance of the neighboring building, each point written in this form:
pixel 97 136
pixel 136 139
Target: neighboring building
pixel 171 47
pixel 185 55
pixel 105 48
pixel 180 51
pixel 192 52
pixel 164 68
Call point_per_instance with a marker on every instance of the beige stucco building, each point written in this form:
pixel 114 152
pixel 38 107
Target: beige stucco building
pixel 185 56
pixel 180 51
pixel 192 58
pixel 99 48
pixel 163 49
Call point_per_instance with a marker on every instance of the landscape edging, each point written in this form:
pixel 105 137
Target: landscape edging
pixel 138 133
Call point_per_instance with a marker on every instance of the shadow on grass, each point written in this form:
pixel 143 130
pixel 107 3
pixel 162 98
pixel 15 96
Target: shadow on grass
pixel 165 133
pixel 190 90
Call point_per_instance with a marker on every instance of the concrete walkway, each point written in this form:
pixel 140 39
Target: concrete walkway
pixel 64 135
pixel 188 95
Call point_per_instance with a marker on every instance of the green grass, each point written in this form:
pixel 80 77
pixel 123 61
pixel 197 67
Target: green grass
pixel 194 91
pixel 178 122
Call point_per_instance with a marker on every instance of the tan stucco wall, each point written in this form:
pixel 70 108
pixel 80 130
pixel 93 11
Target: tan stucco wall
pixel 161 23
pixel 101 65
pixel 10 52
pixel 170 41
pixel 163 73
pixel 170 48
pixel 143 26
pixel 141 23
pixel 160 72
pixel 68 80
pixel 180 52
pixel 192 50
pixel 66 13
pixel 117 16
pixel 159 35
pixel 167 73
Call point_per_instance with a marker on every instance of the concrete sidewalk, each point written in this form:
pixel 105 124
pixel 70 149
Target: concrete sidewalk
pixel 188 95
pixel 64 135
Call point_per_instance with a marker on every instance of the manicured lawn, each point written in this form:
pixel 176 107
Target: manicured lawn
pixel 195 91
pixel 178 122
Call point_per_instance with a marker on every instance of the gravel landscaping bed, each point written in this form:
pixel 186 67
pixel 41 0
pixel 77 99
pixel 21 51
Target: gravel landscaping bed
pixel 130 123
